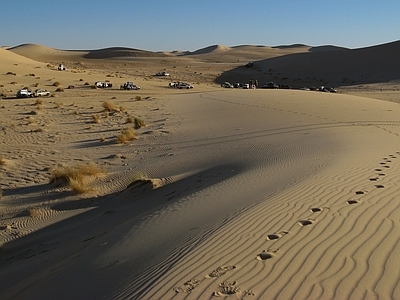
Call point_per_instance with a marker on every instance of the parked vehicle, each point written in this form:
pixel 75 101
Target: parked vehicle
pixel 61 67
pixel 103 84
pixel 246 86
pixel 129 86
pixel 238 85
pixel 327 89
pixel 227 84
pixel 163 73
pixel 42 93
pixel 249 65
pixel 25 93
pixel 270 85
pixel 180 85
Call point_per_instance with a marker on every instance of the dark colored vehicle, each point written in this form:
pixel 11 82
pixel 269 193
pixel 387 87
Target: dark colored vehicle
pixel 129 86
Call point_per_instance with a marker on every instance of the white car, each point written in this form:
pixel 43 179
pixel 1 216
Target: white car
pixel 129 86
pixel 42 93
pixel 24 93
pixel 227 85
pixel 162 73
pixel 180 85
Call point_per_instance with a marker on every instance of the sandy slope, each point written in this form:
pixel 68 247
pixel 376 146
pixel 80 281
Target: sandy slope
pixel 253 194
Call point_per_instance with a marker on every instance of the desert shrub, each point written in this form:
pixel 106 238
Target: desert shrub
pixel 35 84
pixel 127 134
pixel 75 176
pixel 56 83
pixel 109 106
pixel 102 139
pixel 35 212
pixel 138 98
pixel 39 102
pixel 129 119
pixel 96 118
pixel 2 161
pixel 76 112
pixel 60 89
pixel 86 83
pixel 139 122
pixel 122 108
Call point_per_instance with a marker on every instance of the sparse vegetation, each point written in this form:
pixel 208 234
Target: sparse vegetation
pixel 129 119
pixel 60 89
pixel 2 161
pixel 138 98
pixel 96 118
pixel 102 139
pixel 36 212
pixel 56 83
pixel 127 134
pixel 139 122
pixel 39 102
pixel 109 106
pixel 75 176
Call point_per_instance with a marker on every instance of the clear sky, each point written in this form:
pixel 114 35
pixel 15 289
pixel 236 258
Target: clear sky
pixel 166 25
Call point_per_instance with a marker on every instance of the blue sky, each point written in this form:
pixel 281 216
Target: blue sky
pixel 166 25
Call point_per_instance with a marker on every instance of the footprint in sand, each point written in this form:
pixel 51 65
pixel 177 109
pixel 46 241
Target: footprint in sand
pixel 267 254
pixel 220 271
pixel 227 288
pixel 360 192
pixel 188 286
pixel 306 222
pixel 353 201
pixel 276 235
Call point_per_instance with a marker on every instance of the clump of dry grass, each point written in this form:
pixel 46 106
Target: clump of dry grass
pixel 138 98
pixel 3 161
pixel 57 83
pixel 75 176
pixel 139 122
pixel 102 139
pixel 109 106
pixel 76 112
pixel 39 102
pixel 36 212
pixel 60 89
pixel 127 134
pixel 129 119
pixel 122 109
pixel 96 118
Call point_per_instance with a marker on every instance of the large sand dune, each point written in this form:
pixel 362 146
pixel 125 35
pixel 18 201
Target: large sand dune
pixel 244 194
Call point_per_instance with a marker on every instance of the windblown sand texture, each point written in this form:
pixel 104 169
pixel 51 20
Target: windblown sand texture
pixel 231 193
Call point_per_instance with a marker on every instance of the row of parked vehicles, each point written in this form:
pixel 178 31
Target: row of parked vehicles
pixel 273 85
pixel 26 93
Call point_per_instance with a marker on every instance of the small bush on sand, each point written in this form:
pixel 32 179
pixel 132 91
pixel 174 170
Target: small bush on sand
pixel 96 118
pixel 60 89
pixel 75 176
pixel 138 98
pixel 2 161
pixel 109 106
pixel 36 212
pixel 39 102
pixel 139 123
pixel 86 83
pixel 56 83
pixel 127 134
pixel 130 119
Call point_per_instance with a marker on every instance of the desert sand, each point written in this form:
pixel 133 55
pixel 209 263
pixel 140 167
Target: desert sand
pixel 230 193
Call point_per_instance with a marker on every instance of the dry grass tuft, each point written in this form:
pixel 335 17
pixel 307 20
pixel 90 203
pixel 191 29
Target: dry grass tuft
pixel 102 139
pixel 36 212
pixel 130 119
pixel 60 89
pixel 122 109
pixel 109 106
pixel 138 98
pixel 3 161
pixel 139 123
pixel 75 176
pixel 96 118
pixel 127 134
pixel 39 102
pixel 57 83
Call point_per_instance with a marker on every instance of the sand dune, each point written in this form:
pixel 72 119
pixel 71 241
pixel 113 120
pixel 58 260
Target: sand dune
pixel 231 193
pixel 341 67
